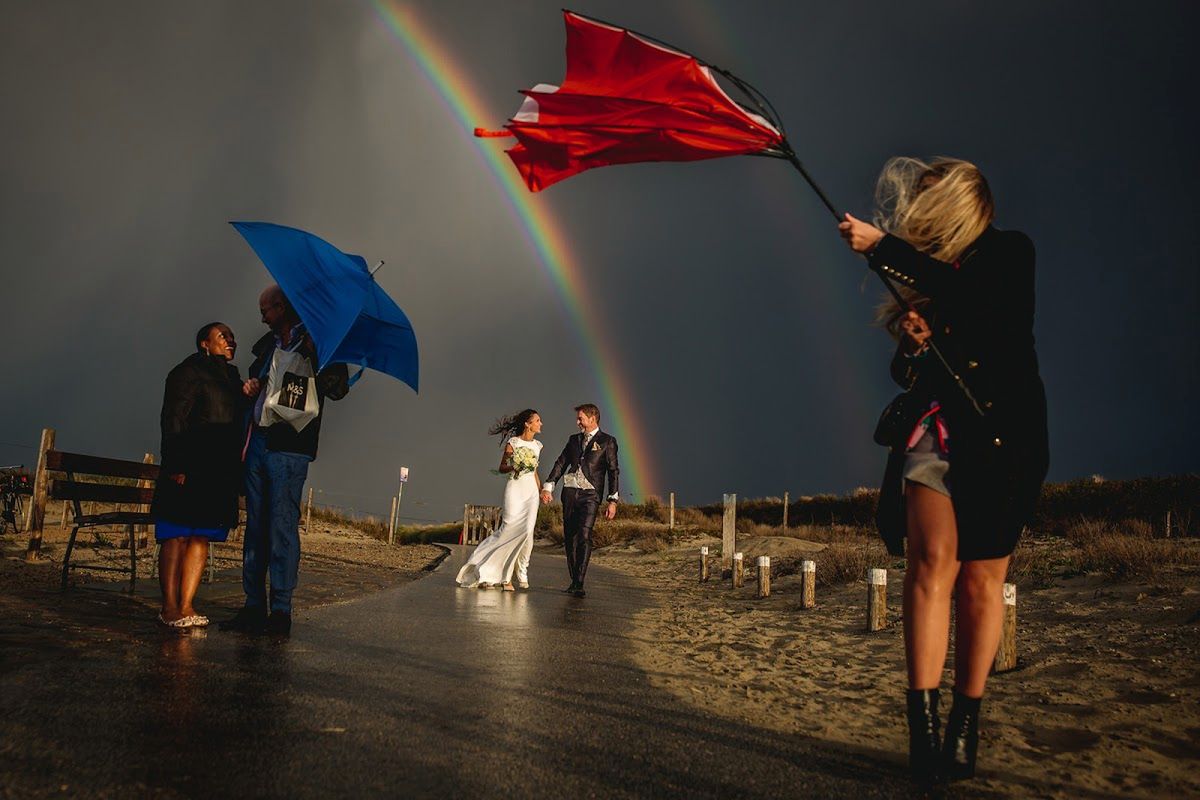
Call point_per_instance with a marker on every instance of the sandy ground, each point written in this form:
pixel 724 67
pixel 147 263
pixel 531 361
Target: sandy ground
pixel 1105 700
pixel 38 620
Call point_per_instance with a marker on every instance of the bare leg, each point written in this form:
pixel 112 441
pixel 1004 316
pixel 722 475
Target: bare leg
pixel 932 567
pixel 194 561
pixel 979 600
pixel 170 560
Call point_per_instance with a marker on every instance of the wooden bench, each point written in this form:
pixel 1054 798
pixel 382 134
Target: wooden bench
pixel 76 491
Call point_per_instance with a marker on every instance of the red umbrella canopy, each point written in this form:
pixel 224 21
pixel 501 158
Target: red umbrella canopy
pixel 626 99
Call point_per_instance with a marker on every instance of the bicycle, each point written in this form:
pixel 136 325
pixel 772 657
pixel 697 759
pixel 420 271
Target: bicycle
pixel 14 484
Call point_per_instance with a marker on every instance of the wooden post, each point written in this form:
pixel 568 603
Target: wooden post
pixel 37 505
pixel 1006 656
pixel 671 513
pixel 462 539
pixel 808 584
pixel 392 521
pixel 785 508
pixel 703 564
pixel 148 458
pixel 62 523
pixel 1168 532
pixel 876 599
pixel 308 512
pixel 396 520
pixel 729 531
pixel 739 575
pixel 764 576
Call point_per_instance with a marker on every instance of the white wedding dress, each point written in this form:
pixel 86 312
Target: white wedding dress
pixel 508 548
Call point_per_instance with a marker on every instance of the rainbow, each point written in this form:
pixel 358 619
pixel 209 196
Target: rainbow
pixel 545 236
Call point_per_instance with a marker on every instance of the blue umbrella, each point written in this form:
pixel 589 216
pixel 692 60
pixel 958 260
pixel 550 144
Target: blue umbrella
pixel 350 317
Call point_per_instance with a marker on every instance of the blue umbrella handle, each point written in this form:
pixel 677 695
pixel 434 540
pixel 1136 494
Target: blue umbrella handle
pixel 354 378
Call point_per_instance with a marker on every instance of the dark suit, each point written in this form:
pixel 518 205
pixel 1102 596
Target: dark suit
pixel 599 466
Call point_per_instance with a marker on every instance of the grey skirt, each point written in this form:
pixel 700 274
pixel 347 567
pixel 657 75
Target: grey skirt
pixel 927 465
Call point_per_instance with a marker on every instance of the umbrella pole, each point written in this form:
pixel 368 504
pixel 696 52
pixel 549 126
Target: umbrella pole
pixel 904 304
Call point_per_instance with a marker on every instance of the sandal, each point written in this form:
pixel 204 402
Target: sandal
pixel 197 621
pixel 507 587
pixel 182 622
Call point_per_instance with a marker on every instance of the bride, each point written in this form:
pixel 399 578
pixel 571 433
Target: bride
pixel 508 549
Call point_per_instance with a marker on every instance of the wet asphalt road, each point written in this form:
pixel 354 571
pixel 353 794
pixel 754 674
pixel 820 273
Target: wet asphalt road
pixel 420 690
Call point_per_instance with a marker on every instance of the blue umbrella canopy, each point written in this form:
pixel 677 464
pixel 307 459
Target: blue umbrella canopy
pixel 350 317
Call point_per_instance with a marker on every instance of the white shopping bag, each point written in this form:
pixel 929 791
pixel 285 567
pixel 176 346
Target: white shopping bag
pixel 291 391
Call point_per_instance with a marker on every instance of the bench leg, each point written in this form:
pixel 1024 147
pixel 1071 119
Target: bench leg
pixel 132 558
pixel 67 556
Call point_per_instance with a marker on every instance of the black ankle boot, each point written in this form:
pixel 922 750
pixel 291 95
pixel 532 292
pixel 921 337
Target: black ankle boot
pixel 962 738
pixel 924 749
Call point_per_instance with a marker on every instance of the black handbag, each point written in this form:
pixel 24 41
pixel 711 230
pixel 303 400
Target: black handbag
pixel 898 420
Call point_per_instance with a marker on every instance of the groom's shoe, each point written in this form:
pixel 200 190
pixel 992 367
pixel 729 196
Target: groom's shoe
pixel 574 587
pixel 579 592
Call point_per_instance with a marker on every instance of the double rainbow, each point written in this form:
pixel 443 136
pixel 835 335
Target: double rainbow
pixel 545 236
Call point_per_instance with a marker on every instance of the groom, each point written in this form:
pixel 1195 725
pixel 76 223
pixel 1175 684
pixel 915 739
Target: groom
pixel 588 460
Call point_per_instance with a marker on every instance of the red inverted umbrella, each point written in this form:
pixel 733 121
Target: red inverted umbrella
pixel 627 98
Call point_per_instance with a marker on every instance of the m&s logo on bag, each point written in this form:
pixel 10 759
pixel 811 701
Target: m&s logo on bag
pixel 293 391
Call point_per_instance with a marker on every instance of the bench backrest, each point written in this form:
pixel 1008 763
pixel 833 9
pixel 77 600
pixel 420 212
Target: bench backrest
pixel 75 464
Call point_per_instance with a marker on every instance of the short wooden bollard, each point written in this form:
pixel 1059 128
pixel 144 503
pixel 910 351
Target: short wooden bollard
pixel 671 514
pixel 703 564
pixel 808 584
pixel 876 599
pixel 308 512
pixel 1006 656
pixel 739 575
pixel 764 576
pixel 785 508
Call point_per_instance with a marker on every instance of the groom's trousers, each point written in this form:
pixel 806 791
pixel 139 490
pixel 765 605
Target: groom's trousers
pixel 579 517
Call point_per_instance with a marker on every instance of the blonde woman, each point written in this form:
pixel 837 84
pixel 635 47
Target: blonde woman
pixel 965 471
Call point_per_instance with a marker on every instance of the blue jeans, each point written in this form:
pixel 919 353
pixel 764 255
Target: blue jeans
pixel 274 486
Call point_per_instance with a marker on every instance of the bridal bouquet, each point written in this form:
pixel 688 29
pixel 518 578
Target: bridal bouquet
pixel 523 460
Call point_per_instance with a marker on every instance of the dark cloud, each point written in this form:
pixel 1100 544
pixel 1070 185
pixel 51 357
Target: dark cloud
pixel 133 131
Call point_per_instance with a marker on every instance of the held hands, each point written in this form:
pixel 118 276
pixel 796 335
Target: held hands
pixel 916 332
pixel 611 510
pixel 546 498
pixel 251 387
pixel 178 477
pixel 861 236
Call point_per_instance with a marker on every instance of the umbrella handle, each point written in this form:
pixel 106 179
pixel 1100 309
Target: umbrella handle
pixel 904 304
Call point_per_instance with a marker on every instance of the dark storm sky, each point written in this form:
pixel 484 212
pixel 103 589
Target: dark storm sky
pixel 133 131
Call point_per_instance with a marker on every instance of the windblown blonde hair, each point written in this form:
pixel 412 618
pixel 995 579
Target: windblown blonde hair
pixel 938 207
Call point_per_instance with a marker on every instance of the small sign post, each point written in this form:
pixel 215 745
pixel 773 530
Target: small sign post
pixel 399 497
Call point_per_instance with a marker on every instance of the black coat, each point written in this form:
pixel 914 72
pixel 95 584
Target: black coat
pixel 203 430
pixel 599 462
pixel 982 320
pixel 332 382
